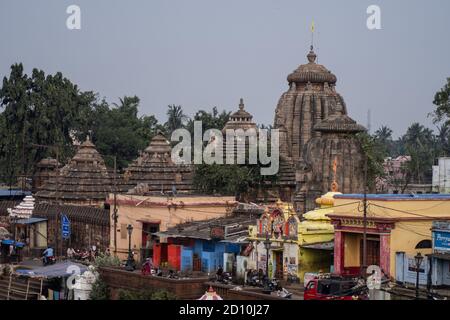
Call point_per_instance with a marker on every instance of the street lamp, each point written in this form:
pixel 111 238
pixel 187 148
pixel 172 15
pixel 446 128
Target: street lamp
pixel 130 261
pixel 418 258
pixel 267 246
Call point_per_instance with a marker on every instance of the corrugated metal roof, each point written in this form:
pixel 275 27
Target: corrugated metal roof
pixel 86 214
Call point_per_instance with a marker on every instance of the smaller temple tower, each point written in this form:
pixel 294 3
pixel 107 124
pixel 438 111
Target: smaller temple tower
pixel 83 181
pixel 154 172
pixel 333 158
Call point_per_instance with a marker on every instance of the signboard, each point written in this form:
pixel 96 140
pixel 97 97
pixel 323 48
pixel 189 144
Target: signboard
pixel 441 241
pixel 65 227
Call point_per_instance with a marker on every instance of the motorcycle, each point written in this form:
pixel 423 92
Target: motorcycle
pixel 48 260
pixel 225 278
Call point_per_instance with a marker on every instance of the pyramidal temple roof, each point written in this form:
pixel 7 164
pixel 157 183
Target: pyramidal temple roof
pixel 83 181
pixel 155 172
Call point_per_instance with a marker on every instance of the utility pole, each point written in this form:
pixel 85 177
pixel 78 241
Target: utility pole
pixel 364 266
pixel 115 207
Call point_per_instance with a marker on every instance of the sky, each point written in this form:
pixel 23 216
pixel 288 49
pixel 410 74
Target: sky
pixel 205 53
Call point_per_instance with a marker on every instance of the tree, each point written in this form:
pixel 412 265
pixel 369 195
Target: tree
pixel 442 103
pixel 38 110
pixel 210 120
pixel 420 145
pixel 119 131
pixel 375 154
pixel 176 119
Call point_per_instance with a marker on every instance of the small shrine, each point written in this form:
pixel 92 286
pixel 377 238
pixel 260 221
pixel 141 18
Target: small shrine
pixel 23 210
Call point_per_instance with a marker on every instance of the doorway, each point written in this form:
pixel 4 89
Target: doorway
pixel 373 251
pixel 278 257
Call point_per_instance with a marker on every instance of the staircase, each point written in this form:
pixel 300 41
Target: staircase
pixel 15 288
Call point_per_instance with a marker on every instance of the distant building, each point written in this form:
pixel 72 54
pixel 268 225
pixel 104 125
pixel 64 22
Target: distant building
pixel 396 180
pixel 441 176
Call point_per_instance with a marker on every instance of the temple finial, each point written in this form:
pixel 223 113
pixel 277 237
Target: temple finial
pixel 241 104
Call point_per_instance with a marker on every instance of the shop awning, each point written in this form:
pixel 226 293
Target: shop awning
pixel 12 242
pixel 320 246
pixel 441 256
pixel 30 220
pixel 57 270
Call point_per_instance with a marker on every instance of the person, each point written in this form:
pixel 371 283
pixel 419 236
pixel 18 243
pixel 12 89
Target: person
pixel 219 274
pixel 107 252
pixel 147 267
pixel 70 253
pixel 48 253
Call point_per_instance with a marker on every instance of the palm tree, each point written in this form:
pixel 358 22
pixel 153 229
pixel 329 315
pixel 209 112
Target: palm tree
pixel 175 118
pixel 384 133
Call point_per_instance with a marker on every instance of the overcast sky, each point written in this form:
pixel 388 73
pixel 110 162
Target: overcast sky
pixel 205 53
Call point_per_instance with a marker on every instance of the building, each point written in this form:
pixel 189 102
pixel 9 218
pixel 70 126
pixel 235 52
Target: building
pixel 84 181
pixel 441 176
pixel 396 178
pixel 204 246
pixel 150 214
pixel 395 224
pixel 296 247
pixel 440 258
pixel 89 226
pixel 313 123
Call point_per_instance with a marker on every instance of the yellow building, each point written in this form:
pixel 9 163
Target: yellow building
pixel 296 247
pixel 150 214
pixel 395 224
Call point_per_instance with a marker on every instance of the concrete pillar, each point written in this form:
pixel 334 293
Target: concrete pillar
pixel 385 253
pixel 339 242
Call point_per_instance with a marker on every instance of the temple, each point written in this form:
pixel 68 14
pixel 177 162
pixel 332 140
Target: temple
pixel 155 172
pixel 83 181
pixel 315 134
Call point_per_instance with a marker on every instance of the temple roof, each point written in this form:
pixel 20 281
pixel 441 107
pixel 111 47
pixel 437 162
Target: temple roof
pixel 312 72
pixel 155 172
pixel 159 145
pixel 84 180
pixel 339 122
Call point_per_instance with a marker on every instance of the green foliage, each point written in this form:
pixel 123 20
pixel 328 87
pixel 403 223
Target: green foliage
pixel 442 103
pixel 146 295
pixel 176 119
pixel 42 110
pixel 210 120
pixel 100 290
pixel 106 261
pixel 375 153
pixel 120 132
